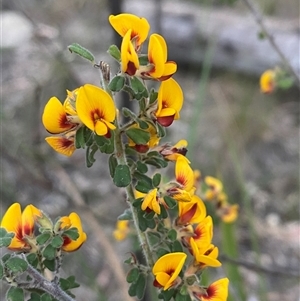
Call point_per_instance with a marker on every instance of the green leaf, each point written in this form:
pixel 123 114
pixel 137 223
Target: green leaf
pixel 151 223
pixel 112 163
pixel 15 294
pixel 142 124
pixel 137 202
pixel 133 275
pixel 137 85
pixel 16 264
pixel 132 289
pixel 3 232
pixel 64 284
pixel 81 51
pixel 167 295
pixel 5 242
pixel 126 215
pixel 142 103
pixel 72 233
pixel 101 140
pixel 154 238
pixel 141 187
pixel 161 131
pixel 32 259
pixel 128 113
pixel 153 96
pixel 49 264
pixel 143 179
pixel 142 221
pixel 57 242
pixel 88 136
pixel 143 60
pixel 180 297
pixel 172 235
pixel 79 138
pixel 141 167
pixel 161 252
pixel 171 203
pixel 43 238
pixel 156 179
pixel 1 271
pixel 157 162
pixel 149 215
pixel 176 246
pixel 163 212
pixel 114 52
pixel 122 177
pixel 5 257
pixel 35 297
pixel 117 83
pixel 46 297
pixel 285 83
pixel 49 252
pixel 138 136
pixel 72 281
pixel 141 286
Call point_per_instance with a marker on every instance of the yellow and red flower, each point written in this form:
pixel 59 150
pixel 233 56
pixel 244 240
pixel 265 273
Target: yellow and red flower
pixel 183 189
pixel 217 291
pixel 21 224
pixel 122 230
pixel 173 152
pixel 169 102
pixel 139 28
pixel 158 67
pixel 215 187
pixel 167 268
pixel 151 202
pixel 192 212
pixel 67 222
pixel 268 81
pixel 96 109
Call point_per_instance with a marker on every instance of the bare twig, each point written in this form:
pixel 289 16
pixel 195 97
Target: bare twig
pixel 260 21
pixel 260 269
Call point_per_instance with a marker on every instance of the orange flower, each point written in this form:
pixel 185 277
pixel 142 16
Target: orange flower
pixel 167 268
pixel 21 224
pixel 64 145
pixel 169 102
pixel 73 220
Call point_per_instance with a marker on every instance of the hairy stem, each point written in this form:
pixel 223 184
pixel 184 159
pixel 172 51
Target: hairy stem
pixel 121 158
pixel 40 282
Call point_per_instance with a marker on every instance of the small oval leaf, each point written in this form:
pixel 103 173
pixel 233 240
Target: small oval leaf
pixel 122 176
pixel 81 51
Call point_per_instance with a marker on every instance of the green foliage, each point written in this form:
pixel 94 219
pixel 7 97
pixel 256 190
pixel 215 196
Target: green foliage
pixel 122 176
pixel 138 136
pixel 16 265
pixel 126 215
pixel 15 294
pixel 81 51
pixel 72 233
pixel 114 52
pixel 117 83
pixel 5 237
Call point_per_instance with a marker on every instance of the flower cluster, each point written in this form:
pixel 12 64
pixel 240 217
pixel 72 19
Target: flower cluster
pixel 23 224
pixel 88 106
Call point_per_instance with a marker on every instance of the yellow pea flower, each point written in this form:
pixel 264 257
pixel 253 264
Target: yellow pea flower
pixel 73 220
pixel 172 153
pixel 129 58
pixel 169 102
pixel 267 81
pixel 21 224
pixel 217 291
pixel 121 230
pixel 215 187
pixel 55 118
pixel 159 68
pixel 65 145
pixel 150 202
pixel 167 268
pixel 191 212
pixel 139 27
pixel 96 109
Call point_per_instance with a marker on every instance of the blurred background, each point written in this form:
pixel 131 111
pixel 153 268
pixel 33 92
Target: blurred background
pixel 245 138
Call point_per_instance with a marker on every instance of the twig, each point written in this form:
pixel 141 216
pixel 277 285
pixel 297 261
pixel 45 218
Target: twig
pixel 72 191
pixel 40 282
pixel 259 20
pixel 260 269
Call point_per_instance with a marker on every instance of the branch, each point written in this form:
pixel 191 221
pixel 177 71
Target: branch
pixel 40 282
pixel 259 20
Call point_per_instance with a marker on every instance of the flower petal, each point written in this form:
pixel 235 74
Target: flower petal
pixel 62 145
pixel 124 22
pixel 55 118
pixel 94 104
pixel 184 174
